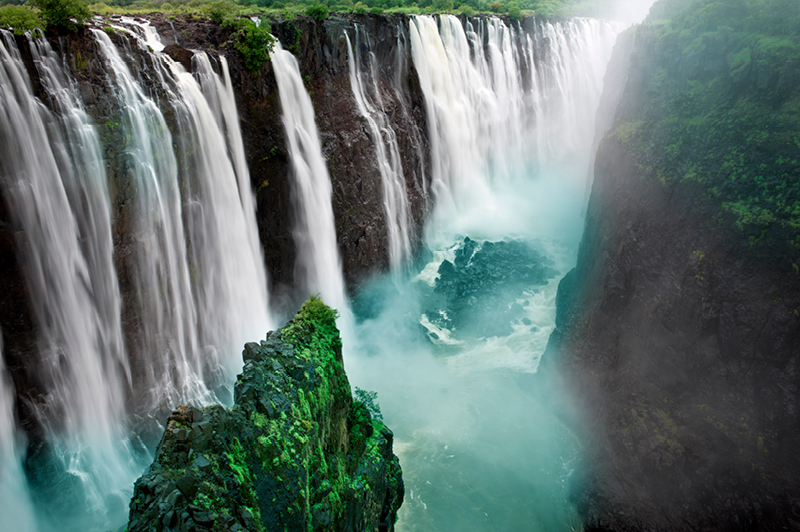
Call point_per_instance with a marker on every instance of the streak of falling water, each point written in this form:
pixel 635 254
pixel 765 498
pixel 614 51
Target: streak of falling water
pixel 15 500
pixel 319 265
pixel 170 368
pixel 229 286
pixel 387 152
pixel 80 343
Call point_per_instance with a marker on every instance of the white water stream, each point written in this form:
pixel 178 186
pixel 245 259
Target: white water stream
pixel 191 253
pixel 319 265
pixel 366 90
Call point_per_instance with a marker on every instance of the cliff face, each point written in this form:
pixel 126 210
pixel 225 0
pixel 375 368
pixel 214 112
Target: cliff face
pixel 321 50
pixel 679 327
pixel 294 452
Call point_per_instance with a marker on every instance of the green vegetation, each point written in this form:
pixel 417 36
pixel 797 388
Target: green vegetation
pixel 253 42
pixel 219 11
pixel 62 13
pixel 20 19
pixel 727 113
pixel 318 12
pixel 38 14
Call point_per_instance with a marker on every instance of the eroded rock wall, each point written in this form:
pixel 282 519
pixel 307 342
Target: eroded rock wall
pixel 679 335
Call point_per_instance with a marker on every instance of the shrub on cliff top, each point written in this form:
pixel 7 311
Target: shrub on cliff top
pixel 63 13
pixel 19 19
pixel 253 42
pixel 318 12
pixel 219 11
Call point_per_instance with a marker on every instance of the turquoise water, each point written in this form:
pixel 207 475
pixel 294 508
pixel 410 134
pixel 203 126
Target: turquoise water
pixel 452 351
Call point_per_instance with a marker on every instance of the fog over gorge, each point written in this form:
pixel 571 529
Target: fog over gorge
pixel 431 266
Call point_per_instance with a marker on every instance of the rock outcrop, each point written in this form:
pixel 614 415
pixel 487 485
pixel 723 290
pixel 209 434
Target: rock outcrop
pixel 679 329
pixel 295 452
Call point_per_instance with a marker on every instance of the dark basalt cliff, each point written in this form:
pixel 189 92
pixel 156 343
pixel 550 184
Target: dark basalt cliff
pixel 293 453
pixel 679 329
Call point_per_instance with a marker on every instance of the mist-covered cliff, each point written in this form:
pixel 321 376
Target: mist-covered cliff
pixel 679 328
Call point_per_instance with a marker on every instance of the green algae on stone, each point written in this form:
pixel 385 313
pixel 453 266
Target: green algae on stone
pixel 294 452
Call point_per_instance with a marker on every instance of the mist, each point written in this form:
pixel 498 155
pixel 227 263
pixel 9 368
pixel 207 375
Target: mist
pixel 479 448
pixel 451 343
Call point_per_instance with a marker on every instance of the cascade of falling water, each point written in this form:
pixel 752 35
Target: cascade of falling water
pixel 15 501
pixel 419 146
pixel 224 258
pixel 229 285
pixel 68 262
pixel 486 119
pixel 457 104
pixel 318 261
pixel 566 61
pixel 387 152
pixel 170 367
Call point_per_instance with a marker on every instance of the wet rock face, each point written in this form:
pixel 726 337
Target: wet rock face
pixel 294 452
pixel 679 339
pixel 320 48
pixel 475 295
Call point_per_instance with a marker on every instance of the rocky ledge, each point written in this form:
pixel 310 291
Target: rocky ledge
pixel 294 452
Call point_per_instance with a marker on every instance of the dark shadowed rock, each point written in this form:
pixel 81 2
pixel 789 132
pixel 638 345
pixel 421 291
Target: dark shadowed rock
pixel 294 452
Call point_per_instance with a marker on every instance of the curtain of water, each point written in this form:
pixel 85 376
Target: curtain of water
pixel 80 343
pixel 566 61
pixel 228 281
pixel 191 255
pixel 487 123
pixel 170 367
pixel 366 90
pixel 319 263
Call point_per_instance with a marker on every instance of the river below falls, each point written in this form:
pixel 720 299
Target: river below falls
pixel 451 352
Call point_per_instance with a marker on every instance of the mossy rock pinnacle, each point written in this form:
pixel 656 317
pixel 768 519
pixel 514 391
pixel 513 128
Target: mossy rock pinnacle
pixel 294 452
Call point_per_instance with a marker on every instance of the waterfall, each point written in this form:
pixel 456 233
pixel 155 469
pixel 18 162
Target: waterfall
pixel 68 259
pixel 387 152
pixel 168 339
pixel 189 254
pixel 488 123
pixel 15 501
pixel 319 265
pixel 229 283
pixel 203 285
pixel 567 61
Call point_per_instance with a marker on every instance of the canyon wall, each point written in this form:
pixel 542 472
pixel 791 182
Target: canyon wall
pixel 679 327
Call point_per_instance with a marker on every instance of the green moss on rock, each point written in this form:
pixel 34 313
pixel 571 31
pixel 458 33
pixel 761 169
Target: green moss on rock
pixel 294 452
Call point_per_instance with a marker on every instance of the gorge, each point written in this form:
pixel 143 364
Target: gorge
pixel 428 177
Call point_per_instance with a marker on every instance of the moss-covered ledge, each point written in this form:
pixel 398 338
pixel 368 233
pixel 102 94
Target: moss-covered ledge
pixel 294 453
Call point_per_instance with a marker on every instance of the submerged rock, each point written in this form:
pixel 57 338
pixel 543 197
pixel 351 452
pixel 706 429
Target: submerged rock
pixel 293 453
pixel 476 294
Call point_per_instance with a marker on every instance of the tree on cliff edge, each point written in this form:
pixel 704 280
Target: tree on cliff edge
pixel 67 14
